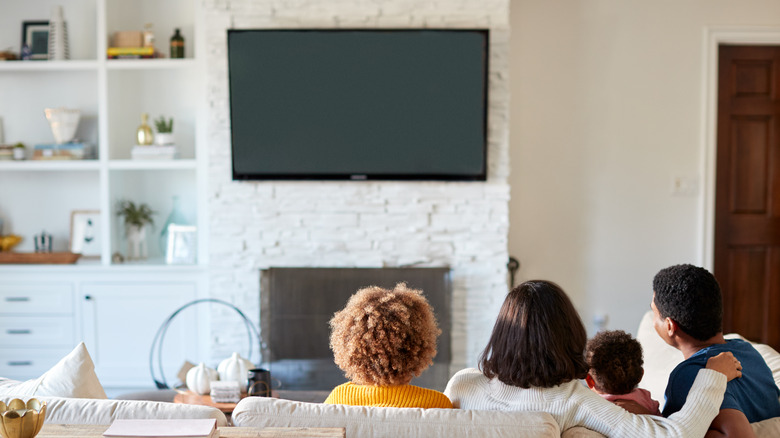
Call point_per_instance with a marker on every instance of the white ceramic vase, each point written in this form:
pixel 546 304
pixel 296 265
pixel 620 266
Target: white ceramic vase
pixel 63 123
pixel 136 242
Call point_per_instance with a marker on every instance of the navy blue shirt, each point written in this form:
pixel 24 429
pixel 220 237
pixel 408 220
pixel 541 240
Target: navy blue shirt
pixel 755 393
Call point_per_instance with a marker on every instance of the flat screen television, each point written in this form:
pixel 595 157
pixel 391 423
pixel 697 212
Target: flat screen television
pixel 362 104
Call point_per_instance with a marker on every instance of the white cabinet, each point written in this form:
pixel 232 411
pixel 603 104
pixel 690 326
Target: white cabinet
pixel 120 321
pixel 111 94
pixel 37 326
pixel 116 311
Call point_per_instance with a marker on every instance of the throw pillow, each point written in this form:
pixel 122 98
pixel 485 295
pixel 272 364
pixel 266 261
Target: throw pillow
pixel 73 377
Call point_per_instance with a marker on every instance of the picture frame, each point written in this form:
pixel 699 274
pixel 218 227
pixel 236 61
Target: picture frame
pixel 35 35
pixel 182 245
pixel 85 233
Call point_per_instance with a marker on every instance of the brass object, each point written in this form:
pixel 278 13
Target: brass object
pixel 21 420
pixel 144 135
pixel 8 242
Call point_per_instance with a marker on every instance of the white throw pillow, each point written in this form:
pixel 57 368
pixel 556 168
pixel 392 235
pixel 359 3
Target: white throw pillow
pixel 73 377
pixel 660 359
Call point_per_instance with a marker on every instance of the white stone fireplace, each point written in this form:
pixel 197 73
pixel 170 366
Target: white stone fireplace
pixel 257 225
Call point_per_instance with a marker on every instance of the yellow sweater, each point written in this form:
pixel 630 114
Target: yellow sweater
pixel 403 396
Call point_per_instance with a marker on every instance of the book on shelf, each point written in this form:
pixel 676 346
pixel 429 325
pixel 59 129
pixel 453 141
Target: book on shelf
pixel 65 151
pixel 178 428
pixel 153 152
pixel 130 51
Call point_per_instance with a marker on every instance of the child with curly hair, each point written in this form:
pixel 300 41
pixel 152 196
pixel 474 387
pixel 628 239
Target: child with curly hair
pixel 615 361
pixel 381 340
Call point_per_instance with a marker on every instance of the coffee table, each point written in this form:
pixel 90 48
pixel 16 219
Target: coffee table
pixel 96 431
pixel 191 398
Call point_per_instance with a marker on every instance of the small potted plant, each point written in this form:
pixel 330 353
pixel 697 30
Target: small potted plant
pixel 136 218
pixel 19 151
pixel 164 135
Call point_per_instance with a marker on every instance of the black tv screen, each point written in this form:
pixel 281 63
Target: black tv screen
pixel 398 104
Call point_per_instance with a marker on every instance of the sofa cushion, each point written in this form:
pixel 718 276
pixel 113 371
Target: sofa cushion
pixel 374 422
pixel 73 376
pixel 61 410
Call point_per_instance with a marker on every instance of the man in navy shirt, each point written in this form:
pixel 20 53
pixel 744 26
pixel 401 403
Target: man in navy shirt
pixel 687 314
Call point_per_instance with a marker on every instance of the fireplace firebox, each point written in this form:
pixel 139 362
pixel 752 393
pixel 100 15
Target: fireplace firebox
pixel 297 303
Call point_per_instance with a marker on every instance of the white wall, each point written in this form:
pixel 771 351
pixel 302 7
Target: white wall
pixel 255 225
pixel 607 107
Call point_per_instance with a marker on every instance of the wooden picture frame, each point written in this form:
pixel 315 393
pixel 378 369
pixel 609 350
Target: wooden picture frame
pixel 85 233
pixel 35 35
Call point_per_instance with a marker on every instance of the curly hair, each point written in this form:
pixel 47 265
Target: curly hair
pixel 538 339
pixel 691 297
pixel 615 361
pixel 384 337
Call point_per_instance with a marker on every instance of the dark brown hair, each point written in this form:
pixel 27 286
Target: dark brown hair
pixel 538 339
pixel 615 360
pixel 384 337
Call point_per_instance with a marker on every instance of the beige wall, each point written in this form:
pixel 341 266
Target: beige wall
pixel 607 108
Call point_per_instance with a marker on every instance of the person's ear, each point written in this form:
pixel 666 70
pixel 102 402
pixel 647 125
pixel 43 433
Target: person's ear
pixel 590 381
pixel 671 327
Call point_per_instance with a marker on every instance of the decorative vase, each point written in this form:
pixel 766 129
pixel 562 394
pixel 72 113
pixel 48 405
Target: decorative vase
pixel 199 378
pixel 136 242
pixel 63 123
pixel 144 135
pixel 58 35
pixel 235 369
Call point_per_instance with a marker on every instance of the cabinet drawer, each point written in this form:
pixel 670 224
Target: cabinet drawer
pixel 28 363
pixel 36 299
pixel 30 331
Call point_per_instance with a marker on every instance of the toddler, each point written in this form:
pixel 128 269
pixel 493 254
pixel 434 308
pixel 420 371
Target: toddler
pixel 615 362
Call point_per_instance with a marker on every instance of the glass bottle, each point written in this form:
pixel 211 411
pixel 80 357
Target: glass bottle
pixel 148 35
pixel 176 217
pixel 177 45
pixel 143 135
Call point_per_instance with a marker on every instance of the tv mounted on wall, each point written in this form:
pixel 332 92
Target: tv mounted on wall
pixel 361 104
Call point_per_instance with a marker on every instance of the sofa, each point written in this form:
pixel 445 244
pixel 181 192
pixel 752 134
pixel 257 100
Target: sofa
pixel 74 395
pixel 374 422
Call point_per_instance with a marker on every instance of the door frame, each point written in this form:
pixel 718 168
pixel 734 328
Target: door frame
pixel 714 36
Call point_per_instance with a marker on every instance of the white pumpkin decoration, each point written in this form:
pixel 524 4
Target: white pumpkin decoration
pixel 199 378
pixel 235 368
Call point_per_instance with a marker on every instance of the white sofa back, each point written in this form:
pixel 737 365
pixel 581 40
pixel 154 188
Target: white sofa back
pixel 62 410
pixel 374 422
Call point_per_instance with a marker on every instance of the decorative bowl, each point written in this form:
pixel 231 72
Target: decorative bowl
pixel 21 420
pixel 63 122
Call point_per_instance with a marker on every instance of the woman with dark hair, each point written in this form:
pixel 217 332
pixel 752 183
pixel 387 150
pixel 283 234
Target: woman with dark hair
pixel 535 358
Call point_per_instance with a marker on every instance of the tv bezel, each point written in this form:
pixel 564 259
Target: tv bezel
pixel 481 176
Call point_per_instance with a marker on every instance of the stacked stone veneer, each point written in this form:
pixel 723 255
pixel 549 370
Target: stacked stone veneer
pixel 255 225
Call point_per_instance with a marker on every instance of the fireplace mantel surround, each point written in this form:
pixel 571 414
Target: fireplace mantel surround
pixel 365 224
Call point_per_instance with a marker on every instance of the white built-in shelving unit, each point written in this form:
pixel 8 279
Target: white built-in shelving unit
pixel 124 302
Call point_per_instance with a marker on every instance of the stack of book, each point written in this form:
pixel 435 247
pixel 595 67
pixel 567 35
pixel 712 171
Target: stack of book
pixel 65 151
pixel 225 391
pixel 184 428
pixel 130 52
pixel 153 152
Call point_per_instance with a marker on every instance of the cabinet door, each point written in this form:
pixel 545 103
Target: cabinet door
pixel 120 323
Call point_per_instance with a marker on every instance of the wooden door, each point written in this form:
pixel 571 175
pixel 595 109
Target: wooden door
pixel 747 201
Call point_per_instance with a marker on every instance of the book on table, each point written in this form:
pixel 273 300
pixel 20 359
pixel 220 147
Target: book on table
pixel 179 428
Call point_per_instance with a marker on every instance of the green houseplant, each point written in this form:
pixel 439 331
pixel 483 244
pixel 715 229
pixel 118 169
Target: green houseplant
pixel 164 128
pixel 136 217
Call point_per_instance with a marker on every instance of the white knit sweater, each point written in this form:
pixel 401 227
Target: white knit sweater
pixel 572 404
